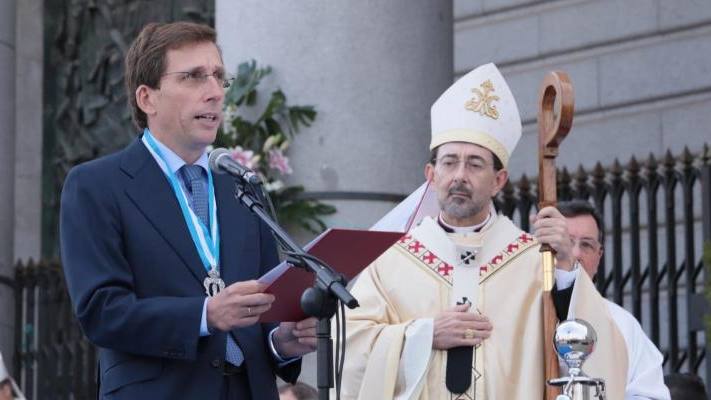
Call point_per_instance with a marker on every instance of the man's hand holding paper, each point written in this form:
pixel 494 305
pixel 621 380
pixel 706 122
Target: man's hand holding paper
pixel 238 305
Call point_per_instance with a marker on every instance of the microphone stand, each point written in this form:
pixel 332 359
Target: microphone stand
pixel 320 301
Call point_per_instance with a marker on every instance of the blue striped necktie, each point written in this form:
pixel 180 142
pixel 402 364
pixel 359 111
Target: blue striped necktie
pixel 196 183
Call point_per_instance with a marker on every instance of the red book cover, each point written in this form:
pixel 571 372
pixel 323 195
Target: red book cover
pixel 347 251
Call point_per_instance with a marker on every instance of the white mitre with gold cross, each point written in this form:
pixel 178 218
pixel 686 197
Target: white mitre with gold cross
pixel 479 108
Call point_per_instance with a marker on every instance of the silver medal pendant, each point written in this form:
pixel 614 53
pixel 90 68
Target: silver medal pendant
pixel 213 283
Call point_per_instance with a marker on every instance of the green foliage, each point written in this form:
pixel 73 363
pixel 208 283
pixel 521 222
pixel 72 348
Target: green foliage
pixel 261 143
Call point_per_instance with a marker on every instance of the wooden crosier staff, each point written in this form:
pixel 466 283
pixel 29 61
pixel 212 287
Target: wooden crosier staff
pixel 555 117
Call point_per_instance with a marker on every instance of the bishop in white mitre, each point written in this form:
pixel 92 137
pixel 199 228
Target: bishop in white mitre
pixel 453 310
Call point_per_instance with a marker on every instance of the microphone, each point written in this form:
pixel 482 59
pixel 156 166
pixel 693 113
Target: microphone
pixel 221 162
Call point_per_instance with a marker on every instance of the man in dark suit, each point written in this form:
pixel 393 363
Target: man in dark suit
pixel 148 234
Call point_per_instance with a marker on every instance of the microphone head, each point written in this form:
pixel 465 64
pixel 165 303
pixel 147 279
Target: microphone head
pixel 212 160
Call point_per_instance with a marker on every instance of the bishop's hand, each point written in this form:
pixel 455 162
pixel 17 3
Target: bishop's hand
pixel 294 339
pixel 456 327
pixel 549 226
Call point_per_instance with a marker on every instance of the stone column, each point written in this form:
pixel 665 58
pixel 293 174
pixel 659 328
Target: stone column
pixel 7 174
pixel 372 69
pixel 28 125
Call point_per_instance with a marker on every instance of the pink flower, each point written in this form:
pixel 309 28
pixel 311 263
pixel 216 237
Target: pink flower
pixel 279 162
pixel 244 157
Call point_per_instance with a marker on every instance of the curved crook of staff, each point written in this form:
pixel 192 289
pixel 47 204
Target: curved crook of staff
pixel 555 118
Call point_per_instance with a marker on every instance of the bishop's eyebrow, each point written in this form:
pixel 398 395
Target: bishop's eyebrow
pixel 468 158
pixel 476 157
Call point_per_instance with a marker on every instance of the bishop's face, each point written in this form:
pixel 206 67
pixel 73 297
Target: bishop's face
pixel 465 180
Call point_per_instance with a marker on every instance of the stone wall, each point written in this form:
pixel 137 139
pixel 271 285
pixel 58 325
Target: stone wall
pixel 372 70
pixel 7 171
pixel 641 70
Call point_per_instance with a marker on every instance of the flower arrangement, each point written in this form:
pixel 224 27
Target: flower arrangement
pixel 262 144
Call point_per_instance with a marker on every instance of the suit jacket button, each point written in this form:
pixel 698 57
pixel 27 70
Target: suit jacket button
pixel 216 363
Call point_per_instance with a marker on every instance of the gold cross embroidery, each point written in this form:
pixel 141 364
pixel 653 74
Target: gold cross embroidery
pixel 481 102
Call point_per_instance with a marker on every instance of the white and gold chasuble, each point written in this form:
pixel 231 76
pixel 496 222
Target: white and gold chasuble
pixel 389 351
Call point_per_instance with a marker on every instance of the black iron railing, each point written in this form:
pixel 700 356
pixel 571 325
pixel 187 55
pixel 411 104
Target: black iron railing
pixel 53 360
pixel 656 216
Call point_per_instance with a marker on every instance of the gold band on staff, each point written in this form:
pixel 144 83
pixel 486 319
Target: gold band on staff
pixel 548 263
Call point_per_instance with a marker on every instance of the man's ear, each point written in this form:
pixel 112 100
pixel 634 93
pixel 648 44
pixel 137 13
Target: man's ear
pixel 146 99
pixel 429 172
pixel 502 176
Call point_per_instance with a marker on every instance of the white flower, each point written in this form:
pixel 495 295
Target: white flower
pixel 270 142
pixel 228 115
pixel 274 185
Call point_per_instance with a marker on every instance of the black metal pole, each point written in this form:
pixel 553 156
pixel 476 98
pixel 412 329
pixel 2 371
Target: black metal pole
pixel 706 226
pixel 324 358
pixel 320 301
pixel 317 303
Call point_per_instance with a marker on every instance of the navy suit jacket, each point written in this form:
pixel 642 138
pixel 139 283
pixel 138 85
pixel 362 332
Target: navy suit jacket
pixel 135 280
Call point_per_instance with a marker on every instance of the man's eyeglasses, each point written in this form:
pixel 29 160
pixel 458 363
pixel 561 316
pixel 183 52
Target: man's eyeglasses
pixel 199 78
pixel 586 245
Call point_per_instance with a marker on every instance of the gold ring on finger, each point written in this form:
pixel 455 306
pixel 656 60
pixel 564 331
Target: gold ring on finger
pixel 469 333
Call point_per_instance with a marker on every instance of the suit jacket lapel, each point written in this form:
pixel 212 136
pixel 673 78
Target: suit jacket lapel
pixel 238 229
pixel 239 247
pixel 152 194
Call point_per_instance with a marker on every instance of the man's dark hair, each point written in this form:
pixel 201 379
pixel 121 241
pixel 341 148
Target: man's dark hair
pixel 146 58
pixel 685 386
pixel 300 390
pixel 576 208
pixel 498 165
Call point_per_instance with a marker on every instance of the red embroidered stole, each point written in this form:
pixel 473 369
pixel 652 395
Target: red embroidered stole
pixel 418 250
